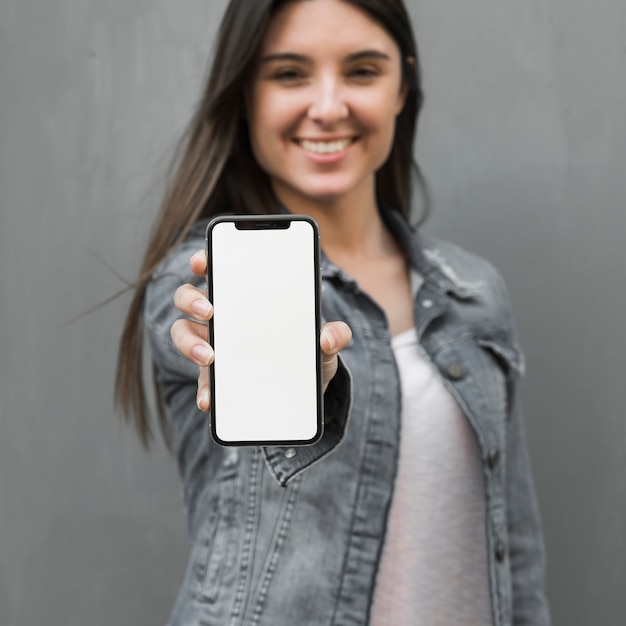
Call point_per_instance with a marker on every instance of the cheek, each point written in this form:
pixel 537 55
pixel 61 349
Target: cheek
pixel 267 145
pixel 378 111
pixel 269 123
pixel 261 147
pixel 260 128
pixel 379 124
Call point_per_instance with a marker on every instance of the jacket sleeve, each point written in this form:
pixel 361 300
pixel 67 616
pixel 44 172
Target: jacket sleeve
pixel 526 546
pixel 526 549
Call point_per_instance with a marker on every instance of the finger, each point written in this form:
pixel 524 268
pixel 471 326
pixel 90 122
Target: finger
pixel 193 302
pixel 334 337
pixel 190 339
pixel 203 398
pixel 198 263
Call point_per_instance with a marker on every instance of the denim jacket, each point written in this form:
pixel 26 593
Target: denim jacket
pixel 284 536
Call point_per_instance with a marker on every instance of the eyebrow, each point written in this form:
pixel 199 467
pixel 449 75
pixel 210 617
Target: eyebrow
pixel 369 54
pixel 301 58
pixel 285 56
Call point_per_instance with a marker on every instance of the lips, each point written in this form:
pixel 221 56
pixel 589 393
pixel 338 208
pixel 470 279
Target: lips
pixel 325 147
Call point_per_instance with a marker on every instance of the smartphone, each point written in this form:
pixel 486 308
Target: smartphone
pixel 264 284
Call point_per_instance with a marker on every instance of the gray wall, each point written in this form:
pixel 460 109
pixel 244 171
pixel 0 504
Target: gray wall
pixel 523 140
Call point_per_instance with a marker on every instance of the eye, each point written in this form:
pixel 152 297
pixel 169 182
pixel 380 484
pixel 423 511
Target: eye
pixel 364 73
pixel 288 75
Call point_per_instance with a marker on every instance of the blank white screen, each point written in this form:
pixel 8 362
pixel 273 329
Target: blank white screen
pixel 265 333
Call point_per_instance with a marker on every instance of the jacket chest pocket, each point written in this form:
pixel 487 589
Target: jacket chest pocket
pixel 478 372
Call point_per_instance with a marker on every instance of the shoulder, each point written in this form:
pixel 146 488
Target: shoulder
pixel 461 272
pixel 445 265
pixel 479 296
pixel 464 268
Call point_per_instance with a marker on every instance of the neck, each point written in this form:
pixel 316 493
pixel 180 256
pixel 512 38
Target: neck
pixel 349 225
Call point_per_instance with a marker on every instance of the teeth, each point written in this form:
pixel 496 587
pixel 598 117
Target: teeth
pixel 325 147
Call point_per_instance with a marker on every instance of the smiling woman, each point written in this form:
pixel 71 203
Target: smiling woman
pixel 417 504
pixel 322 107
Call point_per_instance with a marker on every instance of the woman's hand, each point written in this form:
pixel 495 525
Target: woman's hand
pixel 190 337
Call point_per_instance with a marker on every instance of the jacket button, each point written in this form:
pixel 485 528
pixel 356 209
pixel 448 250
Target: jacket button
pixel 500 552
pixel 494 458
pixel 290 453
pixel 455 370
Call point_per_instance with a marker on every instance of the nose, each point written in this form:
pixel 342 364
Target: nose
pixel 328 105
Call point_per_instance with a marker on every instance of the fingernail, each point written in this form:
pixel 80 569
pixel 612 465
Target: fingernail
pixel 201 308
pixel 331 339
pixel 202 353
pixel 203 398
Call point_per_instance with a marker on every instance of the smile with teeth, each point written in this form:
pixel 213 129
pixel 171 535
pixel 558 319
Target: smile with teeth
pixel 325 147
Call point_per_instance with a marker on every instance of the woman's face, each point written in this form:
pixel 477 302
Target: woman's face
pixel 323 101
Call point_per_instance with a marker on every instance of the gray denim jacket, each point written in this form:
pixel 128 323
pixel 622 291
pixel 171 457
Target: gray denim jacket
pixel 285 536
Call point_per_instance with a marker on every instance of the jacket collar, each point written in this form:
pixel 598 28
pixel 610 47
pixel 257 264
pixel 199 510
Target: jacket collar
pixel 426 259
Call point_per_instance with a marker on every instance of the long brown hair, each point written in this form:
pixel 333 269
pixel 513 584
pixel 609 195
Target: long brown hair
pixel 215 171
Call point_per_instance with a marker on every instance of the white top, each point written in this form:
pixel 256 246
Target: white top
pixel 434 566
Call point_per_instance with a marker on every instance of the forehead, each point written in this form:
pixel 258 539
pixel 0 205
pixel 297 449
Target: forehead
pixel 318 25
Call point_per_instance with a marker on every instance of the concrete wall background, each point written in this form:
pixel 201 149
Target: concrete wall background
pixel 523 140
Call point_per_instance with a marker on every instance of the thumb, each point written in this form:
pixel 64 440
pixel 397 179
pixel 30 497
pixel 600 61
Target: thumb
pixel 334 337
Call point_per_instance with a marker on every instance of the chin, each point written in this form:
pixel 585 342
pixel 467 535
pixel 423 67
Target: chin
pixel 328 197
pixel 329 192
pixel 324 192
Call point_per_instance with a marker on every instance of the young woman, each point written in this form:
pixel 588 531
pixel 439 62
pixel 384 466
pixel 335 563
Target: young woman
pixel 417 506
